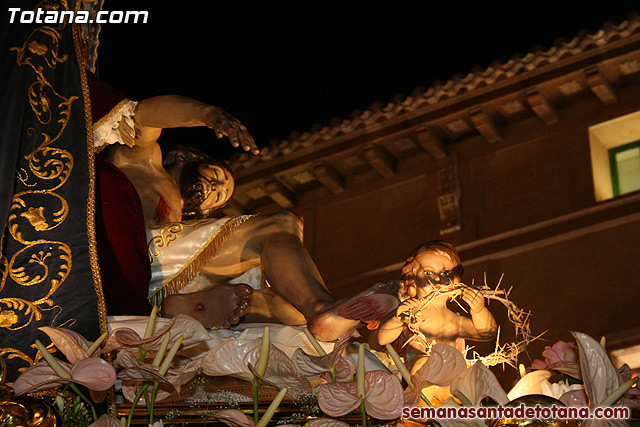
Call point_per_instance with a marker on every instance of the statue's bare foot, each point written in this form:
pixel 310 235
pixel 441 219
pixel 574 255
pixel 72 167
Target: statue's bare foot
pixel 217 307
pixel 369 306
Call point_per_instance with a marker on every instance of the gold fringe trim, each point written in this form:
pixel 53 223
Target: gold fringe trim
pixel 201 258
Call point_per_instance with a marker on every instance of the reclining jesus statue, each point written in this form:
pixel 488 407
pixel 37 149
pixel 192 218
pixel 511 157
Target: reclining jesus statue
pixel 194 256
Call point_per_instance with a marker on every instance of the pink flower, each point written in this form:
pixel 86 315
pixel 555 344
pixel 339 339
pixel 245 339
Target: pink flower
pixel 561 357
pixel 137 372
pixel 604 386
pixel 105 421
pixel 313 366
pixel 85 366
pixel 383 396
pixel 95 374
pixel 237 358
pixel 444 365
pixel 191 331
pixel 381 392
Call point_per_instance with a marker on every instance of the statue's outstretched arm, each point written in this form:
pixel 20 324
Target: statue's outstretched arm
pixel 171 111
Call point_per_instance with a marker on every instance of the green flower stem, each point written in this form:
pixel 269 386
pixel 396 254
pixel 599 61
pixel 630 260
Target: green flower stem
pixel 363 412
pixel 405 372
pixel 147 404
pixel 332 371
pixel 84 398
pixel 424 398
pixel 144 387
pixel 151 405
pixel 618 393
pixel 254 390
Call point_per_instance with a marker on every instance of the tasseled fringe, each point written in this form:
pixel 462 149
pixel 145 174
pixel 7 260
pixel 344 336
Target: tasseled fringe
pixel 194 266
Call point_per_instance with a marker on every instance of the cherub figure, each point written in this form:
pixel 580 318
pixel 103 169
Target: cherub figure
pixel 431 270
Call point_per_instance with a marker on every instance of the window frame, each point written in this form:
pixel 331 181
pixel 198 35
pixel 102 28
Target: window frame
pixel 613 164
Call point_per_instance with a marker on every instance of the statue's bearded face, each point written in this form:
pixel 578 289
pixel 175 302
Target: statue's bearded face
pixel 204 187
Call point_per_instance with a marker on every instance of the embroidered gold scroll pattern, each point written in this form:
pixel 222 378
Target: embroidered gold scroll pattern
pixel 168 234
pixel 42 264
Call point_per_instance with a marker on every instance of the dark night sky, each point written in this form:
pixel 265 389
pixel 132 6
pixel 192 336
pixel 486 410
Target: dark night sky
pixel 283 66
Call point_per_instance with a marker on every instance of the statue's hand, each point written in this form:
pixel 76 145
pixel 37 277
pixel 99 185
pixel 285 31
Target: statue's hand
pixel 127 134
pixel 475 299
pixel 224 124
pixel 408 307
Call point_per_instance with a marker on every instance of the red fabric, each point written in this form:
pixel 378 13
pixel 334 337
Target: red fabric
pixel 121 242
pixel 103 97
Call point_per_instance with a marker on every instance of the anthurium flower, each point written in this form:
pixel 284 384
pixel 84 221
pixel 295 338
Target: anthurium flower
pixel 93 373
pixel 537 382
pixel 478 382
pixel 82 356
pixel 441 368
pixel 182 325
pixel 531 383
pixel 382 400
pixel 312 366
pixel 326 422
pixel 70 343
pixel 561 357
pixel 135 373
pixel 603 384
pixel 233 418
pixel 471 386
pixel 237 358
pixel 106 421
pixel 381 392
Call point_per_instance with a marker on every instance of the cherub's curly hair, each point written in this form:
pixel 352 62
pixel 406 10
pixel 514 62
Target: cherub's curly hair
pixel 442 248
pixel 187 156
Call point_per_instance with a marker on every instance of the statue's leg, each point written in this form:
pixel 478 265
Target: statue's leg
pixel 275 241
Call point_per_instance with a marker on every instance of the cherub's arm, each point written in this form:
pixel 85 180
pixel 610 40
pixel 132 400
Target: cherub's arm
pixel 392 327
pixel 481 326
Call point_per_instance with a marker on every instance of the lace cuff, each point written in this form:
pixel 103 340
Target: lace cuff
pixel 105 130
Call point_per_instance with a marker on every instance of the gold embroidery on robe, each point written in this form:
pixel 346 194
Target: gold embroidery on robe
pixel 44 264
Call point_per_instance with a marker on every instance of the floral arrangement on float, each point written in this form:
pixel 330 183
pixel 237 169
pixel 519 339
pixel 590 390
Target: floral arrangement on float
pixel 576 374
